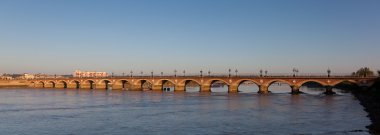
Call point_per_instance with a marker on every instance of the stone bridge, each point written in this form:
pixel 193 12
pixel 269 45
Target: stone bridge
pixel 156 83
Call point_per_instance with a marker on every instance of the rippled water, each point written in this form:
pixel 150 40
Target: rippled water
pixel 85 112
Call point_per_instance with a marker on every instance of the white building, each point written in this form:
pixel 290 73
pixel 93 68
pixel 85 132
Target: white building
pixel 28 76
pixel 79 73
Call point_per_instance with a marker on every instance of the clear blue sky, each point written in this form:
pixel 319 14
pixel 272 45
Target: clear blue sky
pixel 59 36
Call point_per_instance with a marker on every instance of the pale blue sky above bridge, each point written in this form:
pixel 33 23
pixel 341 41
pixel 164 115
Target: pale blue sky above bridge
pixel 59 36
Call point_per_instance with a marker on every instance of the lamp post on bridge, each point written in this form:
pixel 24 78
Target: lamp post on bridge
pixel 175 73
pixel 295 71
pixel 162 74
pixel 328 72
pixel 261 73
pixel 131 73
pixel 266 73
pixel 141 73
pixel 184 73
pixel 229 73
pixel 236 72
pixel 151 73
pixel 123 74
pixel 201 73
pixel 209 73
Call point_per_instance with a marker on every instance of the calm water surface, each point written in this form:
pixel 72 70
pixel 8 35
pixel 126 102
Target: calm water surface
pixel 86 112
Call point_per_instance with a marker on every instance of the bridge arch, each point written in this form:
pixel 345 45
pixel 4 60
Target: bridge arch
pixel 32 84
pixel 74 84
pixel 191 85
pixel 311 87
pixel 89 84
pixel 299 84
pixel 247 85
pixel 104 84
pixel 166 84
pixel 345 81
pixel 62 84
pixel 270 82
pixel 345 86
pixel 122 84
pixel 278 86
pixel 143 84
pixel 218 85
pixel 51 84
pixel 185 81
pixel 41 84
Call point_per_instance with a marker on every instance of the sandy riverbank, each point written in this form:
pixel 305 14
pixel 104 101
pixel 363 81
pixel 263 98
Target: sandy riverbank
pixel 13 83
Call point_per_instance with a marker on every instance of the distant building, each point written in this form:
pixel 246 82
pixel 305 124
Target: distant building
pixel 6 77
pixel 28 76
pixel 79 73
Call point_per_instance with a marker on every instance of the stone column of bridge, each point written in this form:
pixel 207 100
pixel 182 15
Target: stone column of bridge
pixel 88 86
pixel 117 86
pixel 31 85
pixel 205 88
pixel 135 87
pixel 263 89
pixel 60 85
pixel 295 89
pixel 180 88
pixel 233 88
pixel 39 85
pixel 49 85
pixel 103 86
pixel 157 87
pixel 72 86
pixel 329 90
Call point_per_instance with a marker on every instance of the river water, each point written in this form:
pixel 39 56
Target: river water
pixel 98 112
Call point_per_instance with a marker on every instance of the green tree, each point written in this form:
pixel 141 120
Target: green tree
pixel 364 72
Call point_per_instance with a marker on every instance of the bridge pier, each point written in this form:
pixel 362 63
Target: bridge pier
pixel 73 86
pixel 179 88
pixel 329 90
pixel 49 85
pixel 104 86
pixel 117 87
pixel 233 89
pixel 295 90
pixel 60 86
pixel 39 85
pixel 88 86
pixel 157 87
pixel 263 89
pixel 136 88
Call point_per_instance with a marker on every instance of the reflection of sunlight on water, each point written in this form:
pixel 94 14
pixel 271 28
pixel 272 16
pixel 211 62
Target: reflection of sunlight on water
pixel 154 112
